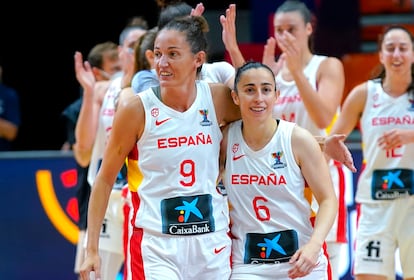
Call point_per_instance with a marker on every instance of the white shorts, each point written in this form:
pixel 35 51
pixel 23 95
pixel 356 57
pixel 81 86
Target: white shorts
pixel 277 271
pixel 383 227
pixel 111 238
pixel 166 257
pixel 342 180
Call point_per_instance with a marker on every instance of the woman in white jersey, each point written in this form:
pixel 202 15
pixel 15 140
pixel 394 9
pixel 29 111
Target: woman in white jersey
pixel 311 88
pixel 93 128
pixel 181 222
pixel 384 109
pixel 267 162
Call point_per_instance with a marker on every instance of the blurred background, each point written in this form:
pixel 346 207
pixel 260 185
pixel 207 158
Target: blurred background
pixel 37 48
pixel 38 42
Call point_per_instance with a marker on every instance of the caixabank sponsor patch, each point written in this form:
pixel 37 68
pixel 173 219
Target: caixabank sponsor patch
pixel 187 215
pixel 270 248
pixel 392 183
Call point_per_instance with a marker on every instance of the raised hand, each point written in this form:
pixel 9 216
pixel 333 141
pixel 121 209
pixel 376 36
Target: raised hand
pixel 291 50
pixel 198 10
pixel 228 22
pixel 229 36
pixel 269 56
pixel 84 73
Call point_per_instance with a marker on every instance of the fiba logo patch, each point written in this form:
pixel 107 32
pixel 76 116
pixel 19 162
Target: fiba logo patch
pixel 204 121
pixel 373 251
pixel 411 108
pixel 278 160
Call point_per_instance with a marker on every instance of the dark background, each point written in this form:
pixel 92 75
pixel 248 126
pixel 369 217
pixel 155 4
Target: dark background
pixel 37 47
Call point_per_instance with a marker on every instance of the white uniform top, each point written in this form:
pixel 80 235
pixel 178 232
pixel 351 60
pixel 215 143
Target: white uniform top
pixel 106 117
pixel 112 229
pixel 383 113
pixel 266 195
pixel 289 105
pixel 217 72
pixel 178 158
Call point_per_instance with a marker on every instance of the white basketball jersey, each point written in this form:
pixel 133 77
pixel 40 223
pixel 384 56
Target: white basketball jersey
pixel 391 170
pixel 106 117
pixel 178 158
pixel 289 106
pixel 217 72
pixel 266 195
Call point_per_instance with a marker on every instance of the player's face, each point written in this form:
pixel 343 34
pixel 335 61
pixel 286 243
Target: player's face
pixel 126 50
pixel 291 24
pixel 111 65
pixel 397 51
pixel 256 94
pixel 173 59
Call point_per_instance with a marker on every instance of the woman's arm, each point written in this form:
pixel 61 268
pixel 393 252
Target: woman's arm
pixel 315 171
pixel 127 127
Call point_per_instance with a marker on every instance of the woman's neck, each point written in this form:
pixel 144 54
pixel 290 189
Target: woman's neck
pixel 179 98
pixel 257 136
pixel 396 85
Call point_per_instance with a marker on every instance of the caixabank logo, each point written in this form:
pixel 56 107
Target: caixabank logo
pixel 64 215
pixel 277 247
pixel 189 215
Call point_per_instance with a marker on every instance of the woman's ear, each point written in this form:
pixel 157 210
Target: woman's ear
pixel 277 95
pixel 381 57
pixel 235 97
pixel 309 29
pixel 149 55
pixel 200 58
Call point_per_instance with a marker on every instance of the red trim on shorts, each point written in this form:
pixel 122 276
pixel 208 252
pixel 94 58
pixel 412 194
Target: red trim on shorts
pixel 325 252
pixel 137 263
pixel 341 229
pixel 126 210
pixel 358 215
pixel 328 267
